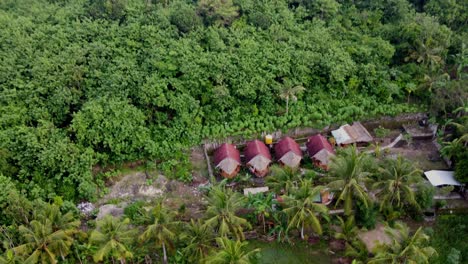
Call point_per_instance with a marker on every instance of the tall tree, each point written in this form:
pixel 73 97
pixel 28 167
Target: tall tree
pixel 66 222
pixel 161 230
pixel 199 240
pixel 302 208
pixel 348 177
pixel 394 188
pixel 223 205
pixel 113 238
pixel 290 92
pixel 404 247
pixel 113 127
pixel 221 12
pixel 263 206
pixel 42 244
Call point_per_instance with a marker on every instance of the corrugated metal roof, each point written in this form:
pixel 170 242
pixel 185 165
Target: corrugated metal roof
pixel 347 134
pixel 341 135
pixel 440 177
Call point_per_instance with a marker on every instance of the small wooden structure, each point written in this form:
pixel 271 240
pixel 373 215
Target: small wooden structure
pixel 258 157
pixel 320 151
pixel 288 152
pixel 227 160
pixel 355 133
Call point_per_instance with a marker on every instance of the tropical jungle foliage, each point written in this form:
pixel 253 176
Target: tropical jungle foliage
pixel 88 83
pixel 91 84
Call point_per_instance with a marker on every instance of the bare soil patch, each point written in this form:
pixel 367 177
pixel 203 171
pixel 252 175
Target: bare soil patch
pixel 373 237
pixel 422 152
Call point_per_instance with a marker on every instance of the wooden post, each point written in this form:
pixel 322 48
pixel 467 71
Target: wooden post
pixel 208 163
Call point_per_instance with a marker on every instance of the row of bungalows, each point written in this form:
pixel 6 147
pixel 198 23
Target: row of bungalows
pixel 257 157
pixel 287 152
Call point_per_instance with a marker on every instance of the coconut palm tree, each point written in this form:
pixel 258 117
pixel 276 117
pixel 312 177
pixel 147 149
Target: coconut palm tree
pixel 221 212
pixel 112 238
pixel 394 188
pixel 289 92
pixel 282 179
pixel 199 239
pixel 42 244
pixel 231 252
pixel 404 247
pixel 162 229
pixel 263 206
pixel 59 221
pixel 452 149
pixel 302 209
pixel 349 174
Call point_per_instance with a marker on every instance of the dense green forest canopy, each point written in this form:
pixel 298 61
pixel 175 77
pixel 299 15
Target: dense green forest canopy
pixel 88 82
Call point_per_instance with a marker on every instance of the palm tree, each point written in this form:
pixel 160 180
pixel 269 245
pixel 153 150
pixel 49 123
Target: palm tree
pixel 354 247
pixel 162 229
pixel 263 206
pixel 290 92
pixel 302 209
pixel 452 149
pixel 404 248
pixel 348 170
pixel 199 239
pixel 282 179
pixel 65 222
pixel 42 243
pixel 348 229
pixel 280 229
pixel 112 237
pixel 221 212
pixel 394 188
pixel 231 252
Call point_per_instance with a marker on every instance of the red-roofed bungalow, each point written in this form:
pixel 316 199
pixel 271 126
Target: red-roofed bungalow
pixel 288 152
pixel 227 160
pixel 258 157
pixel 320 150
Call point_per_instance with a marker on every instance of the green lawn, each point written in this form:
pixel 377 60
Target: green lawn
pixel 276 253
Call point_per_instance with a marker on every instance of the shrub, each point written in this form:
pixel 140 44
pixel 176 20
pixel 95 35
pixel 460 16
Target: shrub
pixel 366 217
pixel 135 211
pixel 381 132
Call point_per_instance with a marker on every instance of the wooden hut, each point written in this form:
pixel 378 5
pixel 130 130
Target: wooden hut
pixel 320 151
pixel 227 160
pixel 288 153
pixel 258 157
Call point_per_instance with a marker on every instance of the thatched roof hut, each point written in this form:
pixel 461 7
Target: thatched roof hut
pixel 319 150
pixel 288 152
pixel 258 157
pixel 227 160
